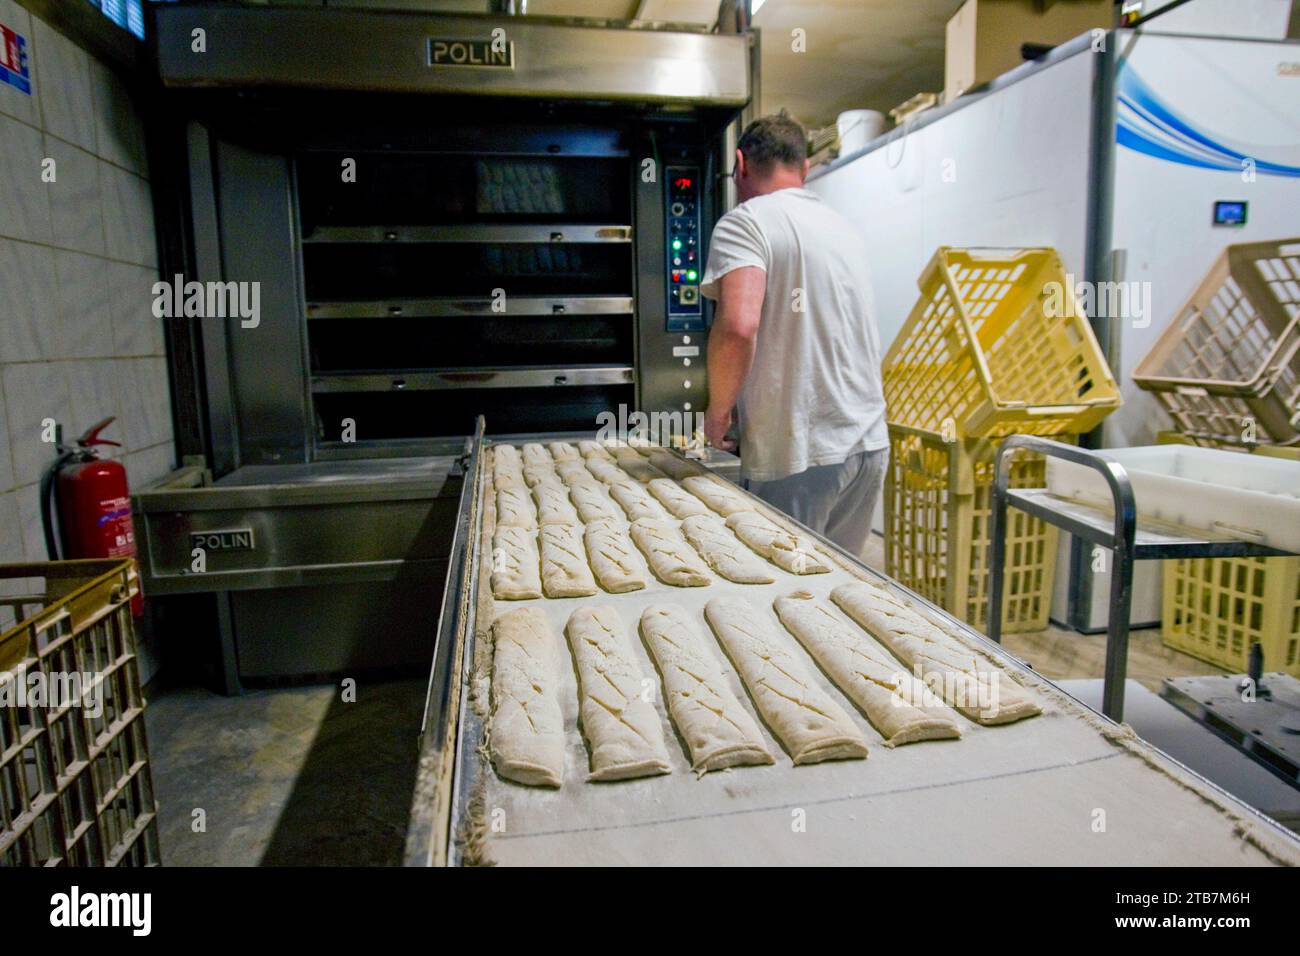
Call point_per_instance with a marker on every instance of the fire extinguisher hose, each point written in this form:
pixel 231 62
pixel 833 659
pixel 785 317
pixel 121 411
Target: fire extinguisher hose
pixel 49 494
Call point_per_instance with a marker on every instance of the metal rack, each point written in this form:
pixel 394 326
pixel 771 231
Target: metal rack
pixel 1116 530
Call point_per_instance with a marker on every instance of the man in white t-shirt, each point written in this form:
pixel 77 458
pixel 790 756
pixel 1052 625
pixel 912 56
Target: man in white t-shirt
pixel 794 350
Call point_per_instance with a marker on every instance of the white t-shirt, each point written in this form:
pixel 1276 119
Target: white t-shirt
pixel 813 395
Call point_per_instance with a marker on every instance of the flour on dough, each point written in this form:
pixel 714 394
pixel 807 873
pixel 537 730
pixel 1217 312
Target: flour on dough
pixel 717 494
pixel 716 727
pixel 594 449
pixel 900 707
pixel 672 560
pixel 507 470
pixel 795 553
pixel 565 572
pixel 563 451
pixel 615 562
pixel 723 552
pixel 515 574
pixel 622 727
pixel 609 472
pixel 676 499
pixel 535 453
pixel 672 466
pixel 636 502
pixel 515 509
pixel 977 689
pixel 526 733
pixel 553 506
pixel 802 715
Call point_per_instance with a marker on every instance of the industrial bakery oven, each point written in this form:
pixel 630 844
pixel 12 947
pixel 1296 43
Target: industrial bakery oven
pixel 406 221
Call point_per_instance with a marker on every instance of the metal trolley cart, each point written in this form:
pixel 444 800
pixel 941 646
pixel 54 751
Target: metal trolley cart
pixel 1116 530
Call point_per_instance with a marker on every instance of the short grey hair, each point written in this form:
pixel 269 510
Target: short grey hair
pixel 778 138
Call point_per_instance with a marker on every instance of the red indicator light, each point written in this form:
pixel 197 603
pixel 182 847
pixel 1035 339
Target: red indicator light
pixel 683 182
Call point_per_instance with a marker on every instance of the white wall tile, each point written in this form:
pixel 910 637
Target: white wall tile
pixel 35 391
pixel 25 211
pixel 28 301
pixel 119 132
pixel 136 330
pixel 95 396
pixel 13 102
pixel 146 402
pixel 145 467
pixel 128 217
pixel 29 520
pixel 85 321
pixel 76 217
pixel 63 71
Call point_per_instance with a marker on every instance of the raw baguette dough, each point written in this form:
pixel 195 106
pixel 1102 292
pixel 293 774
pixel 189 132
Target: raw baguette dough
pixel 507 471
pixel 672 560
pixel 640 469
pixel 716 727
pixel 625 453
pixel 593 502
pixel 977 689
pixel 564 563
pixel 563 451
pixel 676 499
pixel 553 505
pixel 613 558
pixel 609 472
pixel 514 565
pixel 636 501
pixel 594 449
pixel 810 724
pixel 717 494
pixel 527 727
pixel 671 465
pixel 622 729
pixel 541 474
pixel 723 552
pixel 793 552
pixel 575 472
pixel 535 453
pixel 902 708
pixel 515 509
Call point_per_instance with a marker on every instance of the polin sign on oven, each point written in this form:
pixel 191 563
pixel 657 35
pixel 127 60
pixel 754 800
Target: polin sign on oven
pixel 498 52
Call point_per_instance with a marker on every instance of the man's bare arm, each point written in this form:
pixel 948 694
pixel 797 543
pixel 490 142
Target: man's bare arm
pixel 731 345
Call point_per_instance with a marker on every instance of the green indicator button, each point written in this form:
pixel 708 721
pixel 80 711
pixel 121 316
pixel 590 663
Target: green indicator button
pixel 691 275
pixel 677 243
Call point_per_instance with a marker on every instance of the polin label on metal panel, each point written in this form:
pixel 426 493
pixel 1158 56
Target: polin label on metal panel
pixel 490 54
pixel 233 539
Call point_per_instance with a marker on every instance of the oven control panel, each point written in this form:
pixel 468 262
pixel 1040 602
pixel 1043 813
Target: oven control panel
pixel 684 265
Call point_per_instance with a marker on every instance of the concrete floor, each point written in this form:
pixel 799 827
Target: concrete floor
pixel 286 777
pixel 295 776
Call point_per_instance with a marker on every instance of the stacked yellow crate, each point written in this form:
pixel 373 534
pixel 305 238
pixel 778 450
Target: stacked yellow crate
pixel 994 346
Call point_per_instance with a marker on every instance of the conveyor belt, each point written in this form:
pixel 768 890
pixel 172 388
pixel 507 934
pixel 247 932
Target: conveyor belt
pixel 1066 787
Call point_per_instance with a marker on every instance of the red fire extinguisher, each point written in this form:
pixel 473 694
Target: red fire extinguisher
pixel 94 505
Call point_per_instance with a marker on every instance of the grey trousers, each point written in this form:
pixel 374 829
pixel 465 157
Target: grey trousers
pixel 834 500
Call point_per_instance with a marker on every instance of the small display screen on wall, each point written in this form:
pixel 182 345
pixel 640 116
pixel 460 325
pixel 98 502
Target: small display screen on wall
pixel 127 14
pixel 1230 212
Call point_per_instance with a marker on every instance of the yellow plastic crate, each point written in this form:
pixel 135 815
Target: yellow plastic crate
pixel 996 345
pixel 1231 354
pixel 75 782
pixel 1215 609
pixel 937 503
